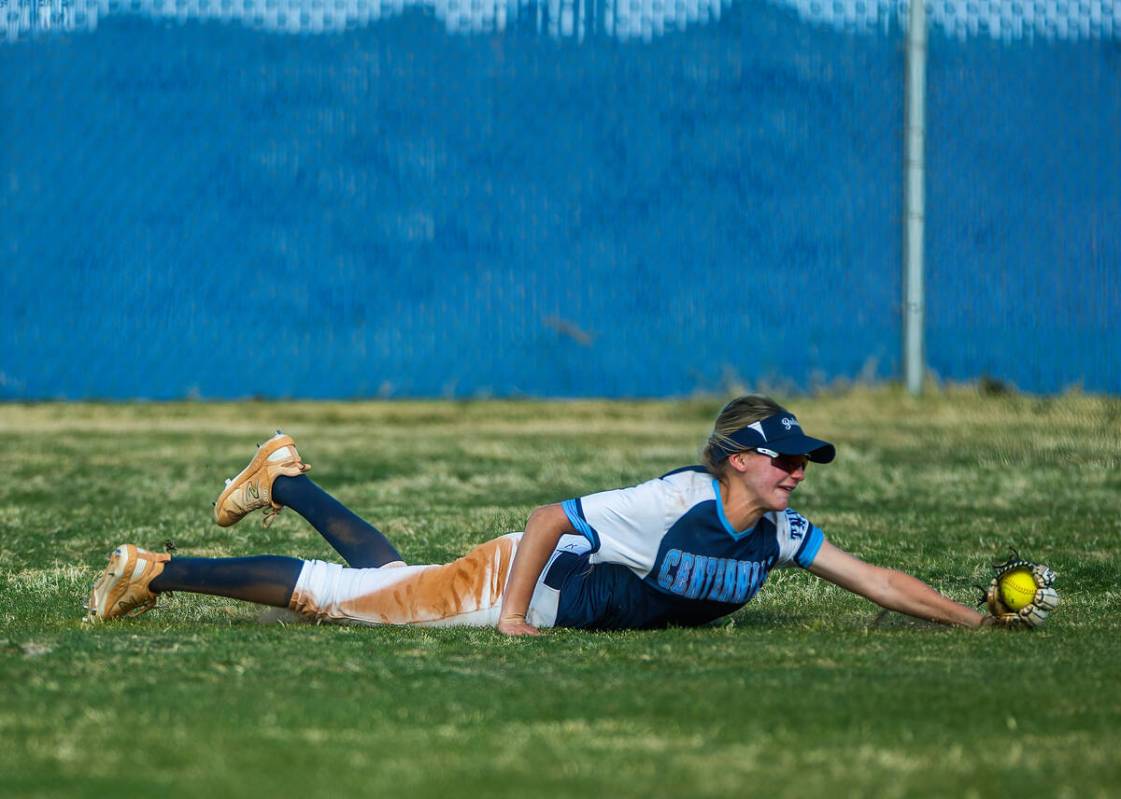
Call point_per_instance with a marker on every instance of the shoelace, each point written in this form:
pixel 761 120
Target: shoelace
pixel 140 609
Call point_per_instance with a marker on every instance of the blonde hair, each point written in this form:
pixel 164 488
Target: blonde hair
pixel 737 414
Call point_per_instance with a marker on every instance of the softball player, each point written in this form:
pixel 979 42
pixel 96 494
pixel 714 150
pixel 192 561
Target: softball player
pixel 682 549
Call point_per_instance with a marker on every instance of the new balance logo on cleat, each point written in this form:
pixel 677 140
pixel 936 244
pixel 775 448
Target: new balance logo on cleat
pixel 251 489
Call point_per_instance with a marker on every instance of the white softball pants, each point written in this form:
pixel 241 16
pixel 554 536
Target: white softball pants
pixel 466 592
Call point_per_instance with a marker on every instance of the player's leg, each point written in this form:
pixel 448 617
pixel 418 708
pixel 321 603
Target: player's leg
pixel 466 592
pixel 264 579
pixel 275 479
pixel 135 577
pixel 360 543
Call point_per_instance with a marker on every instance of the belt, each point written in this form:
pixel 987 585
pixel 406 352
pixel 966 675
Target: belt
pixel 564 564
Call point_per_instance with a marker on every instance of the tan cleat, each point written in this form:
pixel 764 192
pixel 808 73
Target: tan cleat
pixel 252 489
pixel 122 589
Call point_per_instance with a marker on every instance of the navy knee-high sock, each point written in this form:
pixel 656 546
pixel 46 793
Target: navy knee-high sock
pixel 360 543
pixel 264 579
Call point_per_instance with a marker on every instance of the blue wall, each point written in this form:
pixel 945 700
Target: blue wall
pixel 211 210
pixel 1024 212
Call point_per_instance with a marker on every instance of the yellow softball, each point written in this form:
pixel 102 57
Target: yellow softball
pixel 1017 589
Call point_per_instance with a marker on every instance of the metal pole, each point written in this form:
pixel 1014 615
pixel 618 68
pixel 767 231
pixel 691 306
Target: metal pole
pixel 913 300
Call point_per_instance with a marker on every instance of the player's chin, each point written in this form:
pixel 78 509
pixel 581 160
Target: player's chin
pixel 782 498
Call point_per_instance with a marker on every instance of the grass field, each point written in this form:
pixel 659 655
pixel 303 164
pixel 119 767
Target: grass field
pixel 805 691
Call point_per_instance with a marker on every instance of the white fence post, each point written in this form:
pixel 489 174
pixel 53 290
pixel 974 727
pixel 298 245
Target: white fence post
pixel 913 299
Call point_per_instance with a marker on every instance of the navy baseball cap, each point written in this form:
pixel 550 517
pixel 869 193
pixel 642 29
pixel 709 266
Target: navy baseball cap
pixel 779 433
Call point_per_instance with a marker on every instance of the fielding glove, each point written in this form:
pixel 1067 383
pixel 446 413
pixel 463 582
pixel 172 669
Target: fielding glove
pixel 1036 611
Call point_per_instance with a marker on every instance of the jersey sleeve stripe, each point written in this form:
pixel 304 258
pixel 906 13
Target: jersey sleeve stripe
pixel 808 551
pixel 574 510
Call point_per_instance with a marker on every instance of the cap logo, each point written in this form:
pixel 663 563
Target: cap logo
pixel 789 422
pixel 758 428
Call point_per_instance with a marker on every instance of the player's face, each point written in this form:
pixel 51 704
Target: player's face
pixel 773 479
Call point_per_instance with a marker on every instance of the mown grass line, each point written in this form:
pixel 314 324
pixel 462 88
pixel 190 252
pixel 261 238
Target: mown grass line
pixel 806 690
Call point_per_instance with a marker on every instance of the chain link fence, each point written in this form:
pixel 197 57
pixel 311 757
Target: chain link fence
pixel 463 198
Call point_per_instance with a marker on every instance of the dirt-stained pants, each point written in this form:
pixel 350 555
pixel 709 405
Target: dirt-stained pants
pixel 466 592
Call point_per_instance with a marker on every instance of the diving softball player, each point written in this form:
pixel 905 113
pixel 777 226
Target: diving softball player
pixel 682 549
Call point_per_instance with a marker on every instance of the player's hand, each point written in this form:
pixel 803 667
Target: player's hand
pixel 516 625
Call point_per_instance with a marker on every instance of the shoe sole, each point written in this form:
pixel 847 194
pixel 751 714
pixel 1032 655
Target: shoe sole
pixel 112 583
pixel 274 444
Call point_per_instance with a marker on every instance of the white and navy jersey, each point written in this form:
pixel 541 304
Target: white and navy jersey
pixel 662 552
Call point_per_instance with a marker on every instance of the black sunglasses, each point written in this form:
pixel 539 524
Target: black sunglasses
pixel 788 463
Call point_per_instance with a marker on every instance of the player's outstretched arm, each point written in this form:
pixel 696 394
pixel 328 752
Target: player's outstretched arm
pixel 890 589
pixel 544 529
